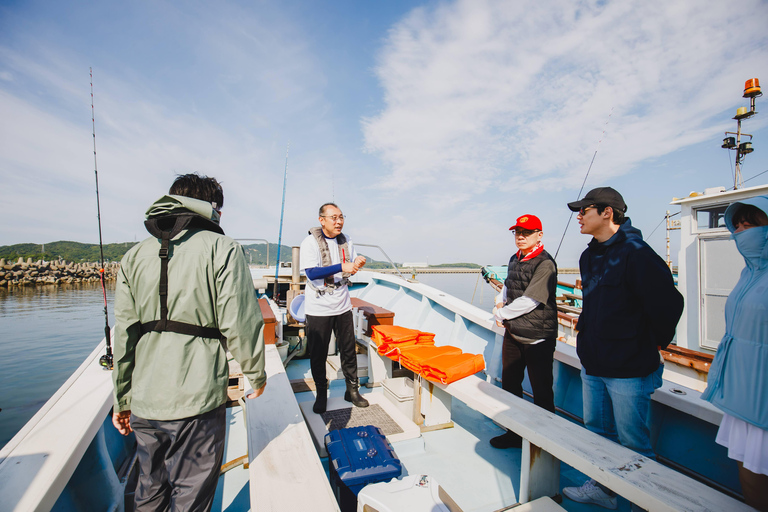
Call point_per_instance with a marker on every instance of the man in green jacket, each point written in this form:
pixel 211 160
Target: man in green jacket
pixel 184 297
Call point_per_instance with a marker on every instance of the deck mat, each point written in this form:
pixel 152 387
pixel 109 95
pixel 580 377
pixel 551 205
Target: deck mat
pixel 374 414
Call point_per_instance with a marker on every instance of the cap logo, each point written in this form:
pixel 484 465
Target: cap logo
pixel 523 219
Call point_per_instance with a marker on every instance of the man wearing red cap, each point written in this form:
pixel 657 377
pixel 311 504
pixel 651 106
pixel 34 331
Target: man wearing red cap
pixel 526 308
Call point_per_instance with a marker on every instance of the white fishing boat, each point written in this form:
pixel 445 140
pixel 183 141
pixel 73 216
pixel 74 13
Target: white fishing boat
pixel 70 457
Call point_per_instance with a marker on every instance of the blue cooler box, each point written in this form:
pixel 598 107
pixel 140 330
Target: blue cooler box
pixel 359 456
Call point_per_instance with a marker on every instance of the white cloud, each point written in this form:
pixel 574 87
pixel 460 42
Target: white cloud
pixel 482 94
pixel 254 83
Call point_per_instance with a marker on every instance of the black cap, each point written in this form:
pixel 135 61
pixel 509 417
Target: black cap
pixel 603 196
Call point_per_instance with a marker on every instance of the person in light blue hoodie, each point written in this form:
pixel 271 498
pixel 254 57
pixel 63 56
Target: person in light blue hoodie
pixel 738 378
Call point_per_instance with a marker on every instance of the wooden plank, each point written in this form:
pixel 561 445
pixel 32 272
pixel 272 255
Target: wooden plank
pixel 699 361
pixel 642 481
pixel 270 322
pixel 285 471
pixel 539 473
pixel 302 385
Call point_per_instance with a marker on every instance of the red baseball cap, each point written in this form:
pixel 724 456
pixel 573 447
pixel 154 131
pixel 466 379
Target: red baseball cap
pixel 527 222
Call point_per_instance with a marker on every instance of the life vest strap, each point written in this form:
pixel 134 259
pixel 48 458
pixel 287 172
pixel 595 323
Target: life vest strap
pixel 181 328
pixel 180 222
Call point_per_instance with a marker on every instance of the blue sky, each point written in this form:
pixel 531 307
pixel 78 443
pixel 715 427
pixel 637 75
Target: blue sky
pixel 433 125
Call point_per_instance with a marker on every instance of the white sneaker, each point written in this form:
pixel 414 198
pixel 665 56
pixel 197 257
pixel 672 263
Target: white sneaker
pixel 591 493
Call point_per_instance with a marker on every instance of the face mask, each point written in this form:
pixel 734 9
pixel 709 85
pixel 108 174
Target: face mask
pixel 751 242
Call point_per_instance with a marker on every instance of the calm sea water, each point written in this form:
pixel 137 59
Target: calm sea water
pixel 46 332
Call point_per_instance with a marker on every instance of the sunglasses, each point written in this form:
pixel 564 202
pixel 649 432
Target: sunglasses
pixel 585 209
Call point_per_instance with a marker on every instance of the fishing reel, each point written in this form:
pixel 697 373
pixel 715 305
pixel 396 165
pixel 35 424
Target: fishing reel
pixel 106 361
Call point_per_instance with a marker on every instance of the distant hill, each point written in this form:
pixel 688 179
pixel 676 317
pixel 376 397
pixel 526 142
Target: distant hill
pixel 456 265
pixel 255 254
pixel 69 251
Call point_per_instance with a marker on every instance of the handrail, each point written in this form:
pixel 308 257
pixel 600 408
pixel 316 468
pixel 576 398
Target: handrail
pixel 256 240
pixel 386 256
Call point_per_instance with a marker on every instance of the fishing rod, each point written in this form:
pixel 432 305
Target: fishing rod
pixel 106 360
pixel 280 235
pixel 584 182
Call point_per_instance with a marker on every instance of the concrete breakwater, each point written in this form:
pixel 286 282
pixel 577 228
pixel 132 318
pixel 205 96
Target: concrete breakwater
pixel 30 273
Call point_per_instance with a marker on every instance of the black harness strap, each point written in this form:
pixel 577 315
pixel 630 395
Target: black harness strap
pixel 165 325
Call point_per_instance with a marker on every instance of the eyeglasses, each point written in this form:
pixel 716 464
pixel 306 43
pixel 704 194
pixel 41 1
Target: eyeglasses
pixel 525 232
pixel 585 209
pixel 334 218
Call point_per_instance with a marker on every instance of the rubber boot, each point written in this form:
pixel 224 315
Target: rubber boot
pixel 322 397
pixel 353 395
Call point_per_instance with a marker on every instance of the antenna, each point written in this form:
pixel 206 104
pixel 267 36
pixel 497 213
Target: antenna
pixel 106 360
pixel 751 91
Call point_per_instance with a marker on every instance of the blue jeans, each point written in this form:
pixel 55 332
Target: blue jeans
pixel 618 408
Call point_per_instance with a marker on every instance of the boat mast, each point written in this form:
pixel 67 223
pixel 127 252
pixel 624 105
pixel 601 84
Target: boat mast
pixel 751 91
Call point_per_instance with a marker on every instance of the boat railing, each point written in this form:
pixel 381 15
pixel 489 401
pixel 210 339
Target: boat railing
pixel 386 256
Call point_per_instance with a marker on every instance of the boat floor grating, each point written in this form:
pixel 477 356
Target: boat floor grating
pixel 358 417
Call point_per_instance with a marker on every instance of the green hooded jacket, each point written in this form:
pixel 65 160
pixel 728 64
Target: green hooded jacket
pixel 166 375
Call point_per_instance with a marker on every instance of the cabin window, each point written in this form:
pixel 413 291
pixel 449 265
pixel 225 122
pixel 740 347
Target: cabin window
pixel 720 266
pixel 711 217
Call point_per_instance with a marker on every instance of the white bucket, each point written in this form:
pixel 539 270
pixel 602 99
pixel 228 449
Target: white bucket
pixel 282 349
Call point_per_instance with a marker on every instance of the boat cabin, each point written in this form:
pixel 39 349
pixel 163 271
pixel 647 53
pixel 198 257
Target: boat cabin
pixel 709 265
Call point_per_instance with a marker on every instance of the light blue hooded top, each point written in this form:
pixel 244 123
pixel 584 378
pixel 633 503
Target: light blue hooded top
pixel 738 378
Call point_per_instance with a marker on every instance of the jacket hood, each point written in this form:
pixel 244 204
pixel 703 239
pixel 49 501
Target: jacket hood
pixel 632 232
pixel 173 205
pixel 626 232
pixel 758 201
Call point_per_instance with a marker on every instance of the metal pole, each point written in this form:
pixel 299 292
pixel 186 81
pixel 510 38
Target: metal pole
pixel 280 235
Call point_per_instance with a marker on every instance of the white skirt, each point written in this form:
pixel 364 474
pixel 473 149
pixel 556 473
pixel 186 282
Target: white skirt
pixel 745 442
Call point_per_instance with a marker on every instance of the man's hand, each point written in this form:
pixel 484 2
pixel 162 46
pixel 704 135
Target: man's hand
pixel 349 267
pixel 122 422
pixel 497 307
pixel 360 262
pixel 258 392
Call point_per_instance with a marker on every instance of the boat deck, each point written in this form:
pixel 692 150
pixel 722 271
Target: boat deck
pixel 477 476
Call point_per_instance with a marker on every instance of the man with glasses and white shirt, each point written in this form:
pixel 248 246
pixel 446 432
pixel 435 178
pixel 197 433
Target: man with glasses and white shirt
pixel 630 311
pixel 329 258
pixel 527 309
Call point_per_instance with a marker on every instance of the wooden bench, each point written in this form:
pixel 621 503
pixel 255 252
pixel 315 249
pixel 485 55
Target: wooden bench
pixel 270 322
pixel 285 471
pixel 374 315
pixel 549 439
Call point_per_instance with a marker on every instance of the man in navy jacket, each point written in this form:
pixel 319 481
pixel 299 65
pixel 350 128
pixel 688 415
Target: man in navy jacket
pixel 630 311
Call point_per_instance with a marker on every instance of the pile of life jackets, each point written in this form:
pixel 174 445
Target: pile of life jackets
pixel 416 351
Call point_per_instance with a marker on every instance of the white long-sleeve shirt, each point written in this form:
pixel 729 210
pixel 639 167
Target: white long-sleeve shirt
pixel 518 307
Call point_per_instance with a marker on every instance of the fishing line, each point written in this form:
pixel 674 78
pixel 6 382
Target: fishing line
pixel 106 360
pixel 753 177
pixel 584 182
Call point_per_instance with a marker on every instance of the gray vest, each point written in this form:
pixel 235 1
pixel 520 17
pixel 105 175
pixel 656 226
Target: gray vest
pixel 325 256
